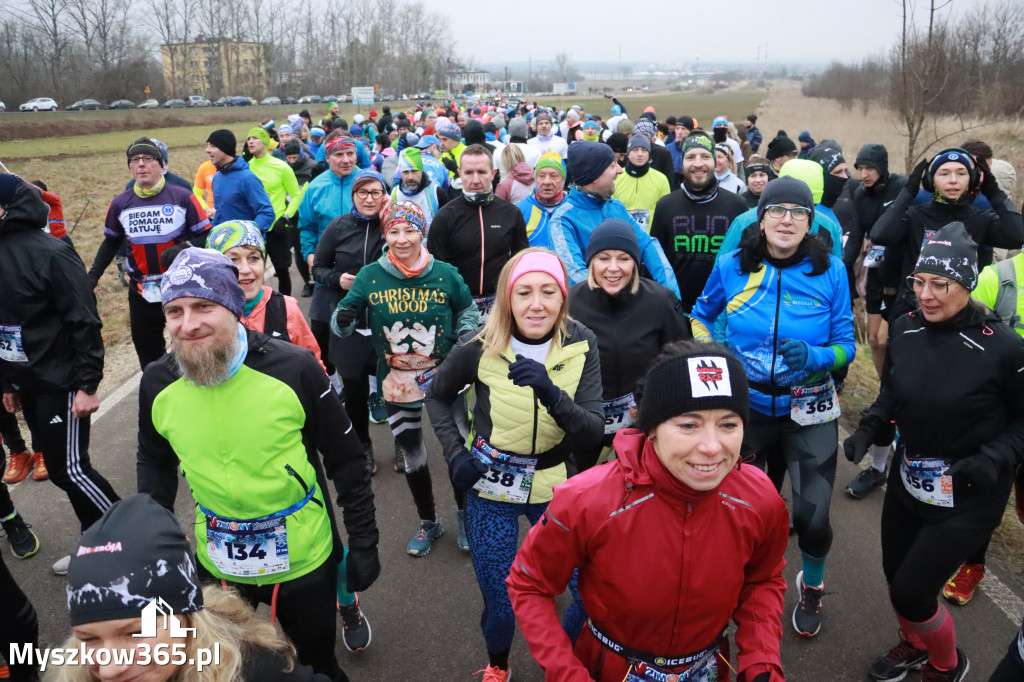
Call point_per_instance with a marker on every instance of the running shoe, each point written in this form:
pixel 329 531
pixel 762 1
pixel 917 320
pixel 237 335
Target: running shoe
pixel 960 588
pixel 460 514
pixel 399 460
pixel 894 665
pixel 24 542
pixel 40 473
pixel 356 633
pixel 61 567
pixel 493 673
pixel 807 614
pixel 424 539
pixel 963 666
pixel 378 414
pixel 866 481
pixel 307 290
pixel 18 466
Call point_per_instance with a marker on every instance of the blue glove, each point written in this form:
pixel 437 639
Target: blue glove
pixel 794 353
pixel 465 470
pixel 527 372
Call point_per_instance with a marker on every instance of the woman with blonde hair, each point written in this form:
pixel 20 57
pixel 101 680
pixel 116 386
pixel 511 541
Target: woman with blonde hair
pixel 517 175
pixel 536 376
pixel 117 577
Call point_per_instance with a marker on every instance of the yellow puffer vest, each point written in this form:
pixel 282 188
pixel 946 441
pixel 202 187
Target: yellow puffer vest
pixel 520 424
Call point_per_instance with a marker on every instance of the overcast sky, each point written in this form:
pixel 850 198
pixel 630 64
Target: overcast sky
pixel 676 30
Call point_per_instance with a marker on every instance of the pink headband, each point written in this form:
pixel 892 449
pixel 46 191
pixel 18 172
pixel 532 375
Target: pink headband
pixel 538 261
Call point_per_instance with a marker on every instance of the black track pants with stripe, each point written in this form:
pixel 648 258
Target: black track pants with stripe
pixel 64 441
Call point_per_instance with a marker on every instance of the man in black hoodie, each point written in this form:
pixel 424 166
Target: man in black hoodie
pixel 691 222
pixel 877 189
pixel 51 349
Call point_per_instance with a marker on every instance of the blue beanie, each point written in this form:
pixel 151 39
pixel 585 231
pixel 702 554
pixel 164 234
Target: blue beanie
pixel 613 233
pixel 587 160
pixel 203 273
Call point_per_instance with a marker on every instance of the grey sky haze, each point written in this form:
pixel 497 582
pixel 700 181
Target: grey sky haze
pixel 658 32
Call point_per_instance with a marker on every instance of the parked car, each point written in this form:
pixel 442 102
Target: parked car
pixel 289 100
pixel 149 104
pixel 39 104
pixel 174 104
pixel 270 100
pixel 3 107
pixel 85 105
pixel 121 104
pixel 221 102
pixel 197 101
pixel 239 101
pixel 310 99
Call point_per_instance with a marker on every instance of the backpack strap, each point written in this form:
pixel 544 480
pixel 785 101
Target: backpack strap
pixel 1006 299
pixel 276 322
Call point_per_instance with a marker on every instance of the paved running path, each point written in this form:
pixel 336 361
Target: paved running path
pixel 425 611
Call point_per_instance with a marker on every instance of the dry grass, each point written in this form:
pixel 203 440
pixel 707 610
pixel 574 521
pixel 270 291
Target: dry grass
pixel 787 109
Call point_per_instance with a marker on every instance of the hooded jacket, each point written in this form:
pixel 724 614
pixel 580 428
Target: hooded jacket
pixel 518 184
pixel 296 327
pixel 50 338
pixel 240 196
pixel 573 222
pixel 662 568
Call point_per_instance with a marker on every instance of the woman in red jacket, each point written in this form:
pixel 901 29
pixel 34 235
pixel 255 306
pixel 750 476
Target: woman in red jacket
pixel 673 540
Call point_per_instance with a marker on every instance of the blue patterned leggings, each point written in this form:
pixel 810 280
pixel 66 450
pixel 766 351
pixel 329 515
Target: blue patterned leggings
pixel 493 531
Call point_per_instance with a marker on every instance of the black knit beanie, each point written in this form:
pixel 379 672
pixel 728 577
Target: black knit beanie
pixel 134 554
pixel 144 145
pixel 223 140
pixel 703 376
pixel 588 160
pixel 785 190
pixel 780 146
pixel 951 253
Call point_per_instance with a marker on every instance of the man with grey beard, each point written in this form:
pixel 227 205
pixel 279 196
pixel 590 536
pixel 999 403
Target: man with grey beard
pixel 244 415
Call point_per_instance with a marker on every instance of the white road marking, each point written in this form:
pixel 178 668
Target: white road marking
pixel 111 401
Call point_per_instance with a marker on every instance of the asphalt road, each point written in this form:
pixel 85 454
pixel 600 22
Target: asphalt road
pixel 425 611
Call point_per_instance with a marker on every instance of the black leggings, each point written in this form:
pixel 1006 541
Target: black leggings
pixel 322 333
pixel 919 555
pixel 296 245
pixel 357 392
pixel 279 249
pixel 810 453
pixel 306 609
pixel 10 434
pixel 147 324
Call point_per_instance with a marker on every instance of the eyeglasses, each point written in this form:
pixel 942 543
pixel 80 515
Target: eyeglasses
pixel 142 158
pixel 799 213
pixel 937 286
pixel 375 193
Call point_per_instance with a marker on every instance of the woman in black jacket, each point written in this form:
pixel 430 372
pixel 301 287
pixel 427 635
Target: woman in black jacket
pixel 953 384
pixel 348 243
pixel 632 318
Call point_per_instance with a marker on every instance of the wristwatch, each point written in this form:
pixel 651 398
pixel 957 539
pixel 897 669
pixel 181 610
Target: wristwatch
pixel 88 389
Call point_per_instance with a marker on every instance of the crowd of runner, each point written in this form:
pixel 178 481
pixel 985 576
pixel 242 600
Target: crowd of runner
pixel 628 330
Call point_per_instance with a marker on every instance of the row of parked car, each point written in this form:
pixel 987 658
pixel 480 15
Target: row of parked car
pixel 49 104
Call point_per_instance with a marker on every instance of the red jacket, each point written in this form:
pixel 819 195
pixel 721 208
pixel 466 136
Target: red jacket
pixel 662 568
pixel 55 222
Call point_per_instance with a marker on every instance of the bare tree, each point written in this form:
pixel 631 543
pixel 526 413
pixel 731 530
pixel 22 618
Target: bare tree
pixel 563 64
